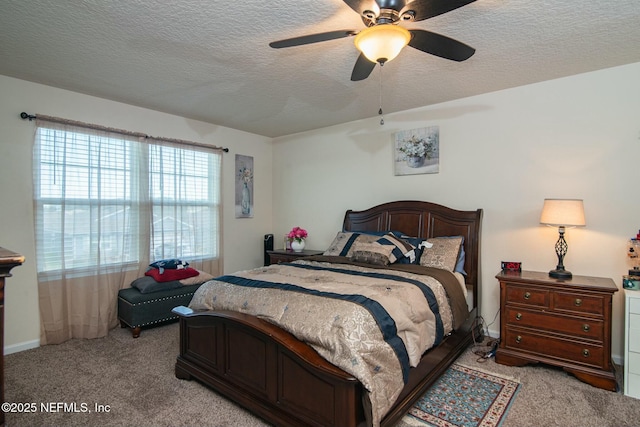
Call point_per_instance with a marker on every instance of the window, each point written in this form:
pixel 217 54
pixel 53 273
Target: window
pixel 185 203
pixel 104 199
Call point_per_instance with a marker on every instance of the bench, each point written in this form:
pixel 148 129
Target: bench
pixel 137 310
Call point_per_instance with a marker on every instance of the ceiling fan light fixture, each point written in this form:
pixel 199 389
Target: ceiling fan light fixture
pixel 381 43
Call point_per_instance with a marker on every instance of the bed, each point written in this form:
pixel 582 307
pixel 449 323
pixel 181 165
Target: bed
pixel 284 380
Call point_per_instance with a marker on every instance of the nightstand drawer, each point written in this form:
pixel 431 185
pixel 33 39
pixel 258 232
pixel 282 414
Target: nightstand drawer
pixel 632 386
pixel 578 303
pixel 527 296
pixel 585 328
pixel 634 305
pixel 633 330
pixel 277 259
pixel 633 363
pixel 279 256
pixel 555 347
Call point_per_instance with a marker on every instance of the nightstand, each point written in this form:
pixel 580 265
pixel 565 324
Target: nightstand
pixel 280 255
pixel 565 323
pixel 632 345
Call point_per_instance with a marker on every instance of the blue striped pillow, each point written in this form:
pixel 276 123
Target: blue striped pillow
pixel 401 248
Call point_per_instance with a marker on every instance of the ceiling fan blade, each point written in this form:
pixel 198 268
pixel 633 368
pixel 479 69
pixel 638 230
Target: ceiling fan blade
pixel 439 45
pixel 362 69
pixel 312 38
pixel 425 9
pixel 360 6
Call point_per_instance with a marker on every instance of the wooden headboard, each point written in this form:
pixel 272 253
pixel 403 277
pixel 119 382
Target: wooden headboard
pixel 424 219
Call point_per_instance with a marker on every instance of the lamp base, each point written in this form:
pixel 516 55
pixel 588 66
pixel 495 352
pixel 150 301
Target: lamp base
pixel 560 274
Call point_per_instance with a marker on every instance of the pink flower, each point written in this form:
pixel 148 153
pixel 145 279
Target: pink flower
pixel 297 234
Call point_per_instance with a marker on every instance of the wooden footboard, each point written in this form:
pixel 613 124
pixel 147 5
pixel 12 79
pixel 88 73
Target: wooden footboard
pixel 266 370
pixel 283 380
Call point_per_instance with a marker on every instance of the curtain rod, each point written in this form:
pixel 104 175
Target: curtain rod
pixel 25 116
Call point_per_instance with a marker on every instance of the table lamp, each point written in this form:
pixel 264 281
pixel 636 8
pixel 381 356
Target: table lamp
pixel 562 213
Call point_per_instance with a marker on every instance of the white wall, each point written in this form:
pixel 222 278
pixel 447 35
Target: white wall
pixel 22 327
pixel 504 152
pixel 577 137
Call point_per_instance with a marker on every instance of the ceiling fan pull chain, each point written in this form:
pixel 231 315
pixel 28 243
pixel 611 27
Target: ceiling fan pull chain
pixel 380 110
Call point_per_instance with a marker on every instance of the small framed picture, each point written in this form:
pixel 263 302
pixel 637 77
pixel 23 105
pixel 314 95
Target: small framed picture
pixel 417 151
pixel 244 186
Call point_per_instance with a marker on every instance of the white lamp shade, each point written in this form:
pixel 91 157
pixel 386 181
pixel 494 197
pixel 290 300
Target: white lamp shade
pixel 383 42
pixel 563 212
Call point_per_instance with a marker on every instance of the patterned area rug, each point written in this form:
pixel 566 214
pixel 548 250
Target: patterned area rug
pixel 464 397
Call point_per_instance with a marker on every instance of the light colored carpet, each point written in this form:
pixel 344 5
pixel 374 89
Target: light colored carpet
pixel 134 377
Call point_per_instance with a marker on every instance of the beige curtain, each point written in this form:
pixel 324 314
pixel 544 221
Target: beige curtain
pixel 108 203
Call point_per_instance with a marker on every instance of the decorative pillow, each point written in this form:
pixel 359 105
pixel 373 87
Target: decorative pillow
pixel 372 253
pixel 443 254
pixel 147 284
pixel 170 264
pixel 200 278
pixel 417 242
pixel 342 244
pixel 401 248
pixel 461 257
pixel 169 275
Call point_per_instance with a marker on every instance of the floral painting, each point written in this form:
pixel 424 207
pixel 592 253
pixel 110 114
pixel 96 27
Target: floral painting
pixel 417 151
pixel 244 186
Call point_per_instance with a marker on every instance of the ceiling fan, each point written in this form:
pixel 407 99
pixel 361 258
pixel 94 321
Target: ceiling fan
pixel 383 38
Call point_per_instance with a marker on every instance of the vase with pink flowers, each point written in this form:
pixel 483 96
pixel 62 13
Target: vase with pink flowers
pixel 296 236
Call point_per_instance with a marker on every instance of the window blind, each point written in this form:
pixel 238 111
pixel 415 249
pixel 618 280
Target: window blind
pixel 103 198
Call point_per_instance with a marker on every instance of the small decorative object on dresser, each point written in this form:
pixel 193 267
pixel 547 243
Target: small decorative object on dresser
pixel 632 345
pixel 562 213
pixel 296 236
pixel 633 251
pixel 566 323
pixel 511 266
pixel 277 256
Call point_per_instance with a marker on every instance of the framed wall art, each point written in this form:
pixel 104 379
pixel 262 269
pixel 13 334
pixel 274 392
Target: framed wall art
pixel 244 186
pixel 417 151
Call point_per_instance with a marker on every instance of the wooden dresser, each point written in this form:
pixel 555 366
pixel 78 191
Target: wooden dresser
pixel 8 260
pixel 566 323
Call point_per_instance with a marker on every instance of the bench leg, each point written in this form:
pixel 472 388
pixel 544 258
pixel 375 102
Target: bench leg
pixel 135 331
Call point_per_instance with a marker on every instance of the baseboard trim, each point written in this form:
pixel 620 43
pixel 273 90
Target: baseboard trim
pixel 16 348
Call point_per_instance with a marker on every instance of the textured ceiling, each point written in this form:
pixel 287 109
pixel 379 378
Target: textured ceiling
pixel 210 60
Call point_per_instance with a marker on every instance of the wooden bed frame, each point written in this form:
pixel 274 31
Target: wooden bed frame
pixel 283 380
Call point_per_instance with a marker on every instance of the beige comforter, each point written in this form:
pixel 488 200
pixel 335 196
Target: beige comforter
pixel 347 334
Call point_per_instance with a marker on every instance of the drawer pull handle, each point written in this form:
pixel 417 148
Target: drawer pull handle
pixel 585 353
pixel 578 302
pixel 518 339
pixel 527 295
pixel 586 327
pixel 518 316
